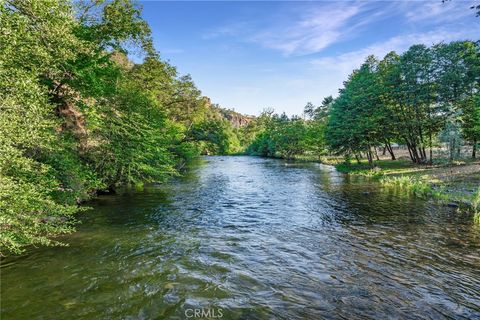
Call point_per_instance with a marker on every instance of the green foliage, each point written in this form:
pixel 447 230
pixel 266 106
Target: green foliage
pixel 476 217
pixel 476 201
pixel 451 136
pixel 217 136
pixel 409 99
pixel 470 120
pixel 30 215
pixel 36 199
pixel 34 202
pixel 131 140
pixel 76 116
pixel 356 115
pixel 285 137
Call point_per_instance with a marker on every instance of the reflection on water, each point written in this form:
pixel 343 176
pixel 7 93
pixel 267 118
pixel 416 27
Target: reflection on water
pixel 259 239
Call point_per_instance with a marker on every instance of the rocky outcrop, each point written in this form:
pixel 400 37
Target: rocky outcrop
pixel 236 119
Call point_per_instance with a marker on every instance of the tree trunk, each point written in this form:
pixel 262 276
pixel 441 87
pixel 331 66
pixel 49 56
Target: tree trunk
pixel 421 148
pixel 370 157
pixel 413 146
pixel 474 149
pixel 410 152
pixel 370 160
pixel 376 153
pixel 357 158
pixel 452 150
pixel 431 152
pixel 388 146
pixel 415 152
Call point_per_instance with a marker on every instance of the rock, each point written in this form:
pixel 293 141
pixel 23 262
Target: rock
pixel 237 120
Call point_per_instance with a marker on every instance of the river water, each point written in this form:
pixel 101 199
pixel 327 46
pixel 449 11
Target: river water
pixel 253 238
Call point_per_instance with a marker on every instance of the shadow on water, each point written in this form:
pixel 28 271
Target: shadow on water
pixel 258 239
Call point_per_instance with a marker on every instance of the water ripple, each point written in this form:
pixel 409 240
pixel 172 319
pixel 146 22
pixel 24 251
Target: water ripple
pixel 260 239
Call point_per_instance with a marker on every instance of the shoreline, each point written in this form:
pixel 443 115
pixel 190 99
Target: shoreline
pixel 454 184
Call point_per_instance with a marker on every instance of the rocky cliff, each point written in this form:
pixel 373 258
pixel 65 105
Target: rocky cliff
pixel 235 118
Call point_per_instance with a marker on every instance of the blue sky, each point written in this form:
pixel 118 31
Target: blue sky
pixel 248 55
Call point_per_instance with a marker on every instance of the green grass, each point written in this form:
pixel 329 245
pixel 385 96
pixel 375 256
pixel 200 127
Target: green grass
pixel 425 187
pixel 476 206
pixel 476 201
pixel 417 186
pixel 386 166
pixel 476 217
pixel 328 160
pixel 434 182
pixel 411 184
pixel 382 168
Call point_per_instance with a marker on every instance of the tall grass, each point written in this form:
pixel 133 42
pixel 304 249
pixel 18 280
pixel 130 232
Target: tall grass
pixel 476 206
pixel 476 217
pixel 422 188
pixel 409 184
pixel 476 201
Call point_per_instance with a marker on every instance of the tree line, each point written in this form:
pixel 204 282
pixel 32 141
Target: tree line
pixel 422 98
pixel 77 116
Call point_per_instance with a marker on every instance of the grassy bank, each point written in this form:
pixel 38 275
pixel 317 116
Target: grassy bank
pixel 455 184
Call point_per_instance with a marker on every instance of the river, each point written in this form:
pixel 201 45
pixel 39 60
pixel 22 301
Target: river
pixel 254 238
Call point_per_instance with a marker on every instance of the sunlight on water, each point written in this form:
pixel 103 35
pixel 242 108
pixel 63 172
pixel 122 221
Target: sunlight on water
pixel 256 239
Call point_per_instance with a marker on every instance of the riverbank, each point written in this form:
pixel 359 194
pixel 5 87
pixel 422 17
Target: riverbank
pixel 456 184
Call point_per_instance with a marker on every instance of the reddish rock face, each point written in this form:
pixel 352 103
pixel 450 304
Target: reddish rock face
pixel 237 119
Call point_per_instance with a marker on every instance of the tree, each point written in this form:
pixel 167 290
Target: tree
pixel 357 116
pixel 458 69
pixel 77 116
pixel 36 203
pixel 470 119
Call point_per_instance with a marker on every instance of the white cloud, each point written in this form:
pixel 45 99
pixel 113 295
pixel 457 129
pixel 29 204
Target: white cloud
pixel 307 29
pixel 312 32
pixel 437 11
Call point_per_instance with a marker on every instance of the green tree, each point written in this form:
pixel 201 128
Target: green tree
pixel 72 118
pixel 35 204
pixel 458 65
pixel 356 116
